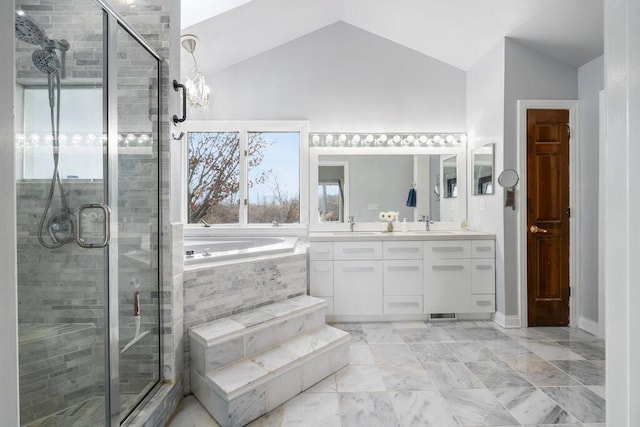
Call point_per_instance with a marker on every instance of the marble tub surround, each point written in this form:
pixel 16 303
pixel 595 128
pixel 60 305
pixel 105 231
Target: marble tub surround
pixel 248 364
pixel 440 383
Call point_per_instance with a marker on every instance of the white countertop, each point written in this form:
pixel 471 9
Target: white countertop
pixel 326 236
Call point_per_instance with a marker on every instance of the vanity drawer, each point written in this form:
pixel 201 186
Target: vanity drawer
pixel 447 249
pixel 408 304
pixel 483 248
pixel 357 250
pixel 402 277
pixel 402 250
pixel 483 303
pixel 321 278
pixel 321 251
pixel 483 276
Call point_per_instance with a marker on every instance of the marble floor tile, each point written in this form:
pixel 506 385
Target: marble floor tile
pixel 472 352
pixel 585 371
pixel 525 334
pixel 497 374
pixel 486 334
pixel 532 406
pixel 590 350
pixel 550 350
pixel 408 378
pixel 540 372
pixel 393 355
pixel 409 325
pixel 507 348
pixel 478 408
pixel 312 409
pixel 383 336
pixel 566 334
pixel 422 408
pixel 374 326
pixel 432 353
pixel 581 402
pixel 449 376
pixel 367 409
pixel 349 327
pixel 600 390
pixel 192 414
pixel 360 354
pixel 273 418
pixel 359 379
pixel 422 336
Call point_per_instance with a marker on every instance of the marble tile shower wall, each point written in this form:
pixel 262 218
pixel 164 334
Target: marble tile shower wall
pixel 218 292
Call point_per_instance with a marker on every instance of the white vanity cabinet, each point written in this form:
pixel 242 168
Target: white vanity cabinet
pixel 403 275
pixel 459 276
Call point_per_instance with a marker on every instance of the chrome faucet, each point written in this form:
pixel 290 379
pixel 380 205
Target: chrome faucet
pixel 352 222
pixel 426 220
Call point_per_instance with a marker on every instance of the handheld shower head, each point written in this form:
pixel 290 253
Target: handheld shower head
pixel 46 61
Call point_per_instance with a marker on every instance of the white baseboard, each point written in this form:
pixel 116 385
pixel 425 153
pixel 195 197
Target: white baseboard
pixel 507 322
pixel 589 325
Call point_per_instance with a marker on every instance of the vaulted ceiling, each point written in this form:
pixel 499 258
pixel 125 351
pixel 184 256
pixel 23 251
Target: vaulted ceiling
pixel 457 32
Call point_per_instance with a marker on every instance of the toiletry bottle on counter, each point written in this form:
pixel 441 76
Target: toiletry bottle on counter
pixel 404 225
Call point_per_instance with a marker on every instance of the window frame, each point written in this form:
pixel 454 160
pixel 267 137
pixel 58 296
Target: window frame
pixel 244 127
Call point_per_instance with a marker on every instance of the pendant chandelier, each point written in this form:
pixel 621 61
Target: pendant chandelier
pixel 197 89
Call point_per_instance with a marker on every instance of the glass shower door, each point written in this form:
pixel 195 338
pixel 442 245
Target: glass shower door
pixel 138 221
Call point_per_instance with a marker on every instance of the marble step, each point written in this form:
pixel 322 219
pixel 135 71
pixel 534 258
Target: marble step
pixel 238 393
pixel 221 342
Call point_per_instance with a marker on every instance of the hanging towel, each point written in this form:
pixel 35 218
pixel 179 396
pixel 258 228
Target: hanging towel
pixel 411 198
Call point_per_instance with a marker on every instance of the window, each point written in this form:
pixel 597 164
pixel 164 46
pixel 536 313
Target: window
pixel 246 173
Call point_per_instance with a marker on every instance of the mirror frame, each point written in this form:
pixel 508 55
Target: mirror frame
pixel 459 203
pixel 474 191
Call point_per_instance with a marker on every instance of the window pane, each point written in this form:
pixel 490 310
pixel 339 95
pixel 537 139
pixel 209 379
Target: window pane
pixel 274 177
pixel 213 180
pixel 329 203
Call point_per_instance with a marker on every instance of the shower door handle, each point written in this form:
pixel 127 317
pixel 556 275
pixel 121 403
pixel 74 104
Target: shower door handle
pixel 177 86
pixel 106 227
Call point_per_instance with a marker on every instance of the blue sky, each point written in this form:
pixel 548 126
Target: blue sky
pixel 283 157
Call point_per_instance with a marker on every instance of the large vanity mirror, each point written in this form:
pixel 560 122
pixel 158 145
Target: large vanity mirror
pixel 364 182
pixel 482 159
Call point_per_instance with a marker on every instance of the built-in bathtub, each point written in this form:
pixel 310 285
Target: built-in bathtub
pixel 206 250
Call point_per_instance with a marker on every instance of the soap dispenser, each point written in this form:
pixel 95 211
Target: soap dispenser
pixel 404 225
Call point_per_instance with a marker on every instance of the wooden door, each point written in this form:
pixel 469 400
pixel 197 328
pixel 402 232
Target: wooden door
pixel 548 217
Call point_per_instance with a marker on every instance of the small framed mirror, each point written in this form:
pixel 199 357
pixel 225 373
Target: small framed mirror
pixel 482 161
pixel 333 190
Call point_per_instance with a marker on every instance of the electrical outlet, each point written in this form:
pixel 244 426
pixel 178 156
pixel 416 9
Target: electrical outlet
pixel 372 206
pixel 482 204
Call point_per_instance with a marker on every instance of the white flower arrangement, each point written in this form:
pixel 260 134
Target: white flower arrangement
pixel 389 217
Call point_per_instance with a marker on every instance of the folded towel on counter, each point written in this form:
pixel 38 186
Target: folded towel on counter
pixel 411 198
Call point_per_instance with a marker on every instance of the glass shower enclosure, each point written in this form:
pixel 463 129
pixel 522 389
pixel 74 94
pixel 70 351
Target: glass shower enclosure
pixel 88 166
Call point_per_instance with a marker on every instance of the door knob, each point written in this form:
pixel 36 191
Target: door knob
pixel 535 229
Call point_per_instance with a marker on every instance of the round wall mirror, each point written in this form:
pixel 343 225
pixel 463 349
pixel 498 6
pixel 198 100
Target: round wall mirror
pixel 508 178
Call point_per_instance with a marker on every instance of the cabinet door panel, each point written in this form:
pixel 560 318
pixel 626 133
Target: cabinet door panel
pixel 447 285
pixel 357 250
pixel 357 287
pixel 402 250
pixel 483 276
pixel 484 303
pixel 402 277
pixel 321 278
pixel 483 248
pixel 321 251
pixel 407 304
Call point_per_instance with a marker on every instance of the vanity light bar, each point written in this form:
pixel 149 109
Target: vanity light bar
pixel 88 140
pixel 387 139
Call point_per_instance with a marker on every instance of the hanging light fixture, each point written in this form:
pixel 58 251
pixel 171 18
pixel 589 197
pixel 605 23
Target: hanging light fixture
pixel 197 89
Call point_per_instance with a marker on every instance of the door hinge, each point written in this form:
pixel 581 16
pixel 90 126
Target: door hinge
pixel 568 212
pixel 246 153
pixel 569 291
pixel 246 202
pixel 568 131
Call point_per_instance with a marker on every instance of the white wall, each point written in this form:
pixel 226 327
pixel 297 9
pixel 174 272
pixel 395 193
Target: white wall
pixel 341 78
pixel 8 278
pixel 590 83
pixel 485 124
pixel 622 210
pixel 528 75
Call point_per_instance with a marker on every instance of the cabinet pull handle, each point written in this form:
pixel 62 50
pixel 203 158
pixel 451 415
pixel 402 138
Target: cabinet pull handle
pixel 484 302
pixel 447 267
pixel 404 304
pixel 356 269
pixel 447 249
pixel 357 250
pixel 320 251
pixel 483 248
pixel 484 267
pixel 403 249
pixel 403 268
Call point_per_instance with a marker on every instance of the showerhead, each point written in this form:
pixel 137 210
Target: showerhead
pixel 28 30
pixel 46 61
